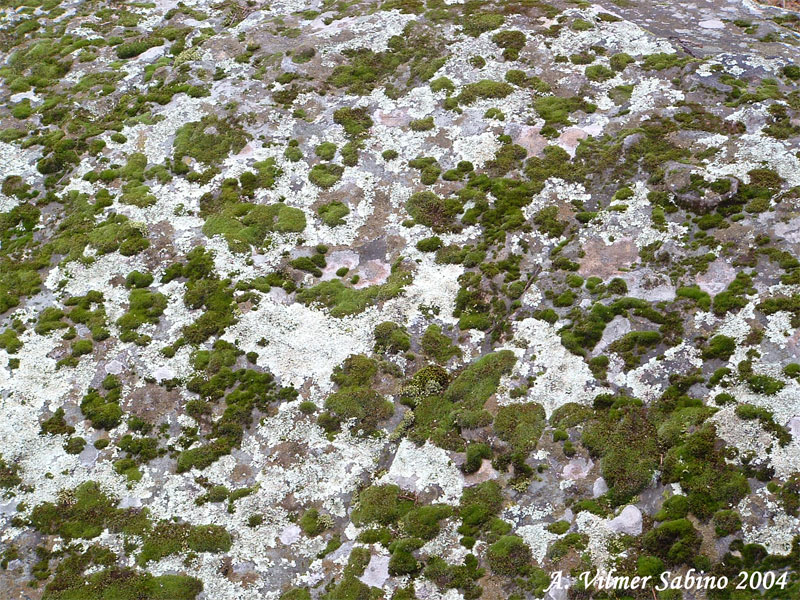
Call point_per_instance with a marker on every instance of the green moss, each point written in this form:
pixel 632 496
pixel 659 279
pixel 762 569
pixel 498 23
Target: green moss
pixel 343 300
pixel 702 298
pixel 649 566
pixel 22 110
pixel 726 522
pixel 434 418
pixel 491 113
pixel 356 121
pixel 103 410
pixel 792 370
pixel 511 41
pixel 556 110
pixel 402 561
pixel 70 582
pixel 583 58
pixel 312 523
pixel 134 48
pixel 428 167
pixel 599 73
pixel 520 425
pixel 9 474
pixel 789 304
pixel 361 404
pixel 789 494
pixel 565 298
pixel 266 173
pixel 145 307
pixel 432 211
pixel 586 328
pixel 619 61
pixel 559 527
pixel 84 513
pixel 617 286
pixel 137 279
pixel 117 233
pixel 391 338
pixel 478 381
pixel 56 424
pixel 764 384
pixel 293 152
pixel 720 346
pixel 353 400
pixel 305 263
pixel 10 134
pixel 476 452
pixel 626 442
pixel 478 23
pixel 438 346
pixel 356 370
pixel 478 505
pixel 461 577
pixel 423 522
pixel 381 504
pixel 674 507
pixel 662 60
pixel 209 140
pixel 581 25
pixel 128 468
pixel 168 538
pixel 9 341
pixel 425 124
pixel 431 244
pixel 244 224
pixel 326 150
pixel 74 445
pixel 633 345
pixel 485 88
pixel 708 481
pixel 508 556
pixel 792 72
pixel 675 542
pixel 296 594
pixel 325 175
pixel 442 84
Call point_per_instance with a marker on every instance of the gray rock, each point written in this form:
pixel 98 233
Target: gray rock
pixel 629 521
pixel 599 488
pixel 561 592
pixel 377 571
pixel 677 179
pixel 616 328
pixel 15 564
pixel 577 468
pixel 88 456
pixel 114 367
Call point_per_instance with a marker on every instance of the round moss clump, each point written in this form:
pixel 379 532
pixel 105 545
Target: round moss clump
pixel 326 150
pixel 381 504
pixel 325 175
pixel 364 405
pixel 333 213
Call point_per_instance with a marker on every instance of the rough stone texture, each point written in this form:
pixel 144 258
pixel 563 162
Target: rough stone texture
pixel 628 521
